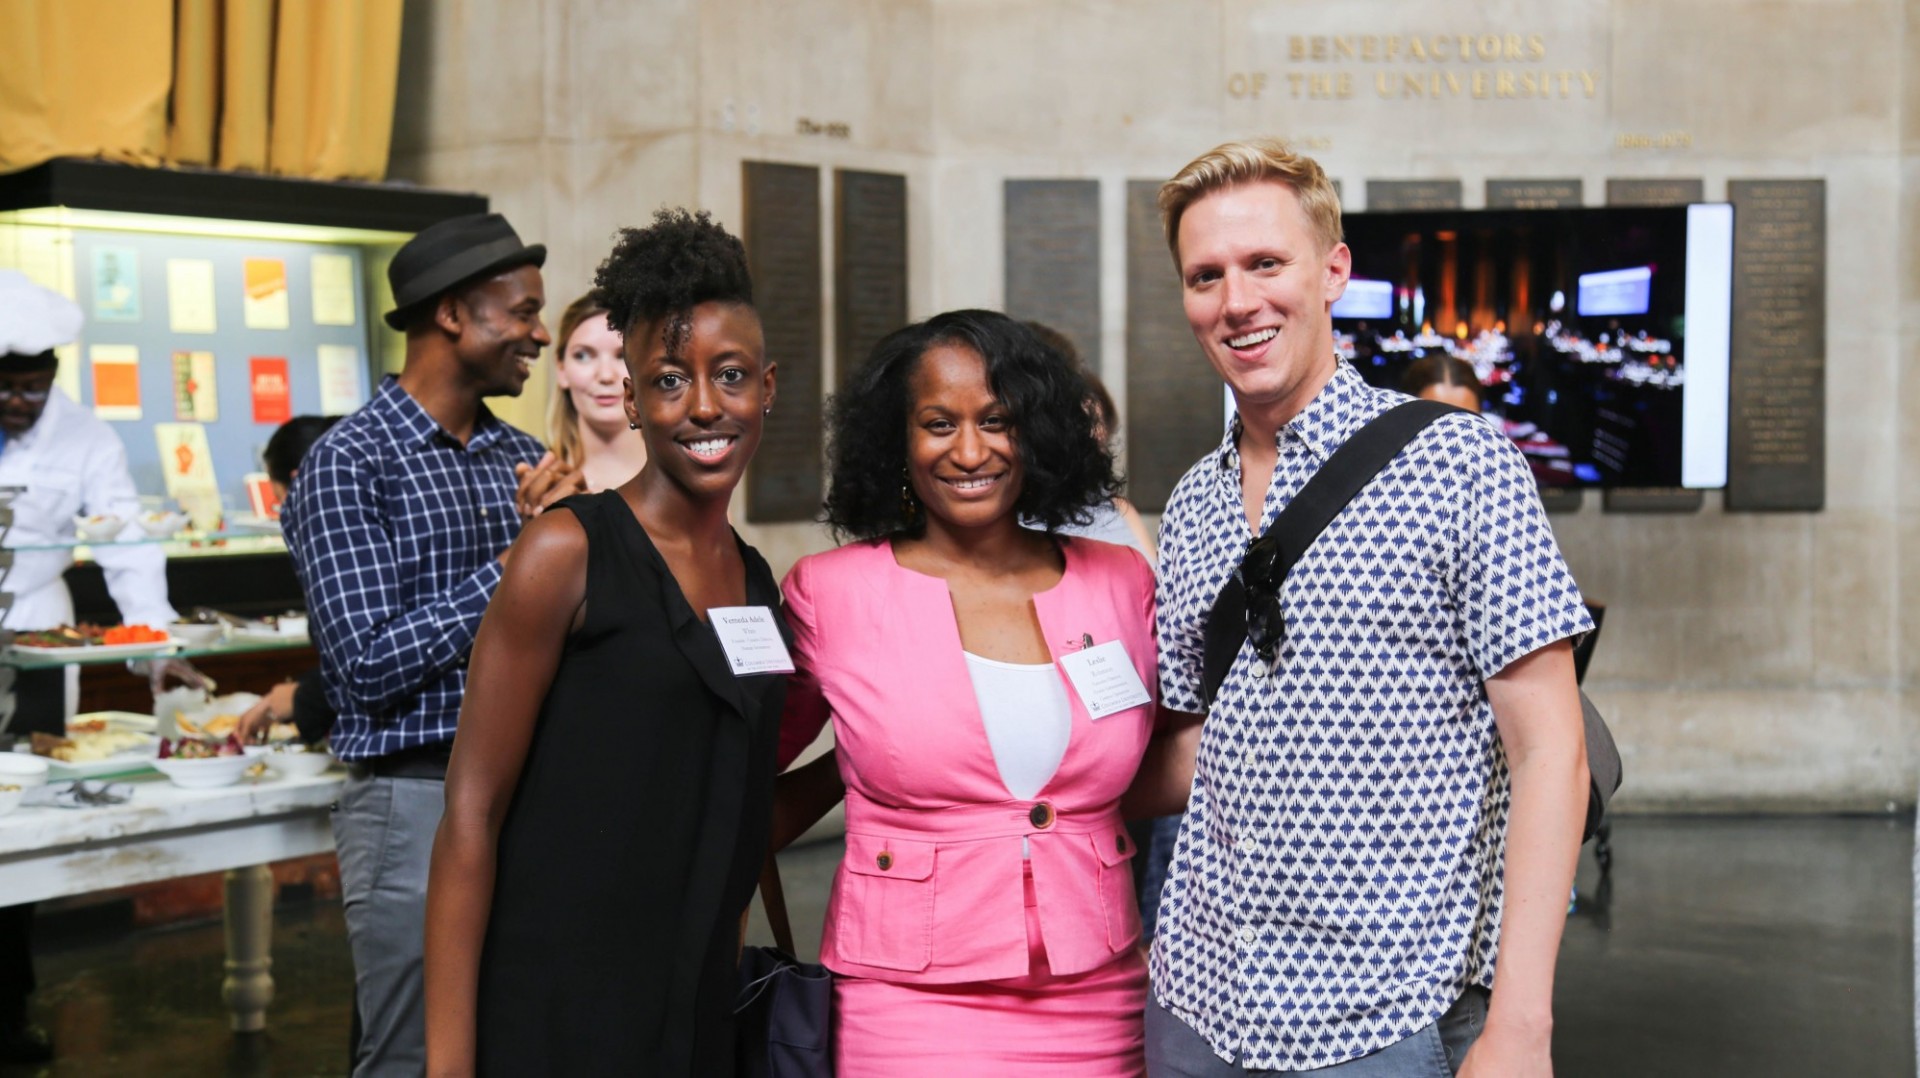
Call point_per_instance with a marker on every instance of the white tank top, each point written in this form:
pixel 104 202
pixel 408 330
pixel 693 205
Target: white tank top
pixel 1028 720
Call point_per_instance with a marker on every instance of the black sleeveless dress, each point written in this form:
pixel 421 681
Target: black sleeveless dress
pixel 635 838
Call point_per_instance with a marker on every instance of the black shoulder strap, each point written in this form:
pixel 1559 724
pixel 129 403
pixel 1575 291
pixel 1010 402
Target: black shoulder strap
pixel 1344 475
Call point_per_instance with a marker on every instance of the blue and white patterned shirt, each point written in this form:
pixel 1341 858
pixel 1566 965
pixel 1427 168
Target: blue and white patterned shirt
pixel 396 531
pixel 1337 881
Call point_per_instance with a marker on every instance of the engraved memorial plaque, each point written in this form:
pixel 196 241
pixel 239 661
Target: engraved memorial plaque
pixel 1176 407
pixel 1053 258
pixel 870 267
pixel 1532 194
pixel 1384 195
pixel 1661 191
pixel 1664 191
pixel 781 230
pixel 1776 451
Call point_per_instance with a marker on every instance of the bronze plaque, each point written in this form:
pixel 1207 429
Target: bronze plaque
pixel 870 267
pixel 1385 195
pixel 1053 259
pixel 1176 405
pixel 1776 438
pixel 1532 194
pixel 782 232
pixel 1665 191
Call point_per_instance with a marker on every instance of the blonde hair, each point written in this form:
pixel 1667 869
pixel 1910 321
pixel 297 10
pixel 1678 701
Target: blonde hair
pixel 563 419
pixel 1261 160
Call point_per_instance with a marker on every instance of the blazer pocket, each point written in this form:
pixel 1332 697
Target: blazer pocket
pixel 1119 899
pixel 886 903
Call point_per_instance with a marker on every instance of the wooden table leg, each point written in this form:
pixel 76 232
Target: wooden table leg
pixel 248 987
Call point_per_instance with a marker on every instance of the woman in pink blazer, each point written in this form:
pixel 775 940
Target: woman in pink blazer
pixel 990 688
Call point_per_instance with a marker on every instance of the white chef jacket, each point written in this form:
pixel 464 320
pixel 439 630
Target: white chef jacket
pixel 72 464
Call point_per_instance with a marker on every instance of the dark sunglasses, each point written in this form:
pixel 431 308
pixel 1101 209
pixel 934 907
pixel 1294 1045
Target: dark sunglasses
pixel 1261 577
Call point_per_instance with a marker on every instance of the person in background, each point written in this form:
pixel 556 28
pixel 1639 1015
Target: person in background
pixel 1444 378
pixel 983 920
pixel 587 424
pixel 1386 796
pixel 400 524
pixel 69 463
pixel 609 799
pixel 303 700
pixel 1115 521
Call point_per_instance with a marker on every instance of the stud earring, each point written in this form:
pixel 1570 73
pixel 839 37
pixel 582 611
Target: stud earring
pixel 631 425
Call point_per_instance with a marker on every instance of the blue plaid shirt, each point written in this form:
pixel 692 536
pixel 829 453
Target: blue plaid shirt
pixel 396 531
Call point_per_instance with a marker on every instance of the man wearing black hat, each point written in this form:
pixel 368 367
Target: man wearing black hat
pixel 399 523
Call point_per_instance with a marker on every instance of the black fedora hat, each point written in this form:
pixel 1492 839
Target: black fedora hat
pixel 454 250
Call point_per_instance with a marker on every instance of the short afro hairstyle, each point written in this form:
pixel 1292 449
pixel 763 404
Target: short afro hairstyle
pixel 289 445
pixel 1067 470
pixel 667 269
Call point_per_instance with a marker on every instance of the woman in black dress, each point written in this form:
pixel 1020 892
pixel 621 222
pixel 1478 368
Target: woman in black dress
pixel 609 793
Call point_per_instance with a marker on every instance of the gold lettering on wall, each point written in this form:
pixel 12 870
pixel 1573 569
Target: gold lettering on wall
pixel 1485 65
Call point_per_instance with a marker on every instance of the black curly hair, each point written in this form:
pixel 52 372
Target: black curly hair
pixel 1067 471
pixel 667 269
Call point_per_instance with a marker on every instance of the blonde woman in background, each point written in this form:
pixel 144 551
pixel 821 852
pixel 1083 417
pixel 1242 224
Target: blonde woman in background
pixel 587 422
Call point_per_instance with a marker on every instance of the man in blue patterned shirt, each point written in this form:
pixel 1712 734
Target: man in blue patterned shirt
pixel 1400 792
pixel 399 523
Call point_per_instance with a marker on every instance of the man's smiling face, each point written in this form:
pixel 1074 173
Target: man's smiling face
pixel 1256 280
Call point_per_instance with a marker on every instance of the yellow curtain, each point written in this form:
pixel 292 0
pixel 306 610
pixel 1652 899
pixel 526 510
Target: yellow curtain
pixel 84 78
pixel 295 87
pixel 246 84
pixel 335 66
pixel 196 81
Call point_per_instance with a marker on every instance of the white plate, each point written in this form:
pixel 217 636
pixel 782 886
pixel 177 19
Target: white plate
pixel 97 651
pixel 272 635
pixel 206 771
pixel 125 720
pixel 125 762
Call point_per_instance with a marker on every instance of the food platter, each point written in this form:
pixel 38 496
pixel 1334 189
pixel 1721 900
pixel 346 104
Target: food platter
pixel 132 746
pixel 96 651
pixel 85 642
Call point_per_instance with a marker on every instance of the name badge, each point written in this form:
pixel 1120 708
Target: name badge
pixel 751 638
pixel 1105 679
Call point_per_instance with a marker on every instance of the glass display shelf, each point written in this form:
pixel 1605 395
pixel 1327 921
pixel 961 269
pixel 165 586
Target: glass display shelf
pixel 183 545
pixel 240 646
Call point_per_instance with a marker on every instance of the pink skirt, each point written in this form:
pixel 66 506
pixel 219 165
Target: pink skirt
pixel 1087 1024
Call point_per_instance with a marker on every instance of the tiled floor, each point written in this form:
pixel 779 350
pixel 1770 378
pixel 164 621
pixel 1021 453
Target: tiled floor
pixel 1748 947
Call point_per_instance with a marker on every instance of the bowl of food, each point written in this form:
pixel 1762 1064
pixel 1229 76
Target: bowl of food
pixel 10 795
pixel 194 763
pixel 22 769
pixel 98 528
pixel 197 634
pixel 162 525
pixel 297 761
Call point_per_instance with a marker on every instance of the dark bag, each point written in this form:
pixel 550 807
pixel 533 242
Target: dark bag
pixel 1345 474
pixel 783 1016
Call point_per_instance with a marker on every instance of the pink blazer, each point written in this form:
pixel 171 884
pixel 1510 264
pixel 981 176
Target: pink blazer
pixel 930 890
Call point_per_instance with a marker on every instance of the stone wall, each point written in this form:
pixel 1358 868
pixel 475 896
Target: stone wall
pixel 1749 660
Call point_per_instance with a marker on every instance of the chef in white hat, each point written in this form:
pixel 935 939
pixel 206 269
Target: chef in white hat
pixel 71 464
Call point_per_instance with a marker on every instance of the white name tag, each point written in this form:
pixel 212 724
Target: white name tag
pixel 751 637
pixel 1105 679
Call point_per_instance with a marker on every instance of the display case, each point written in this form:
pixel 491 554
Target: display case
pixel 217 307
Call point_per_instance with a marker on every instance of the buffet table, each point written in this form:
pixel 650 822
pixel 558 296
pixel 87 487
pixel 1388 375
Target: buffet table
pixel 166 832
